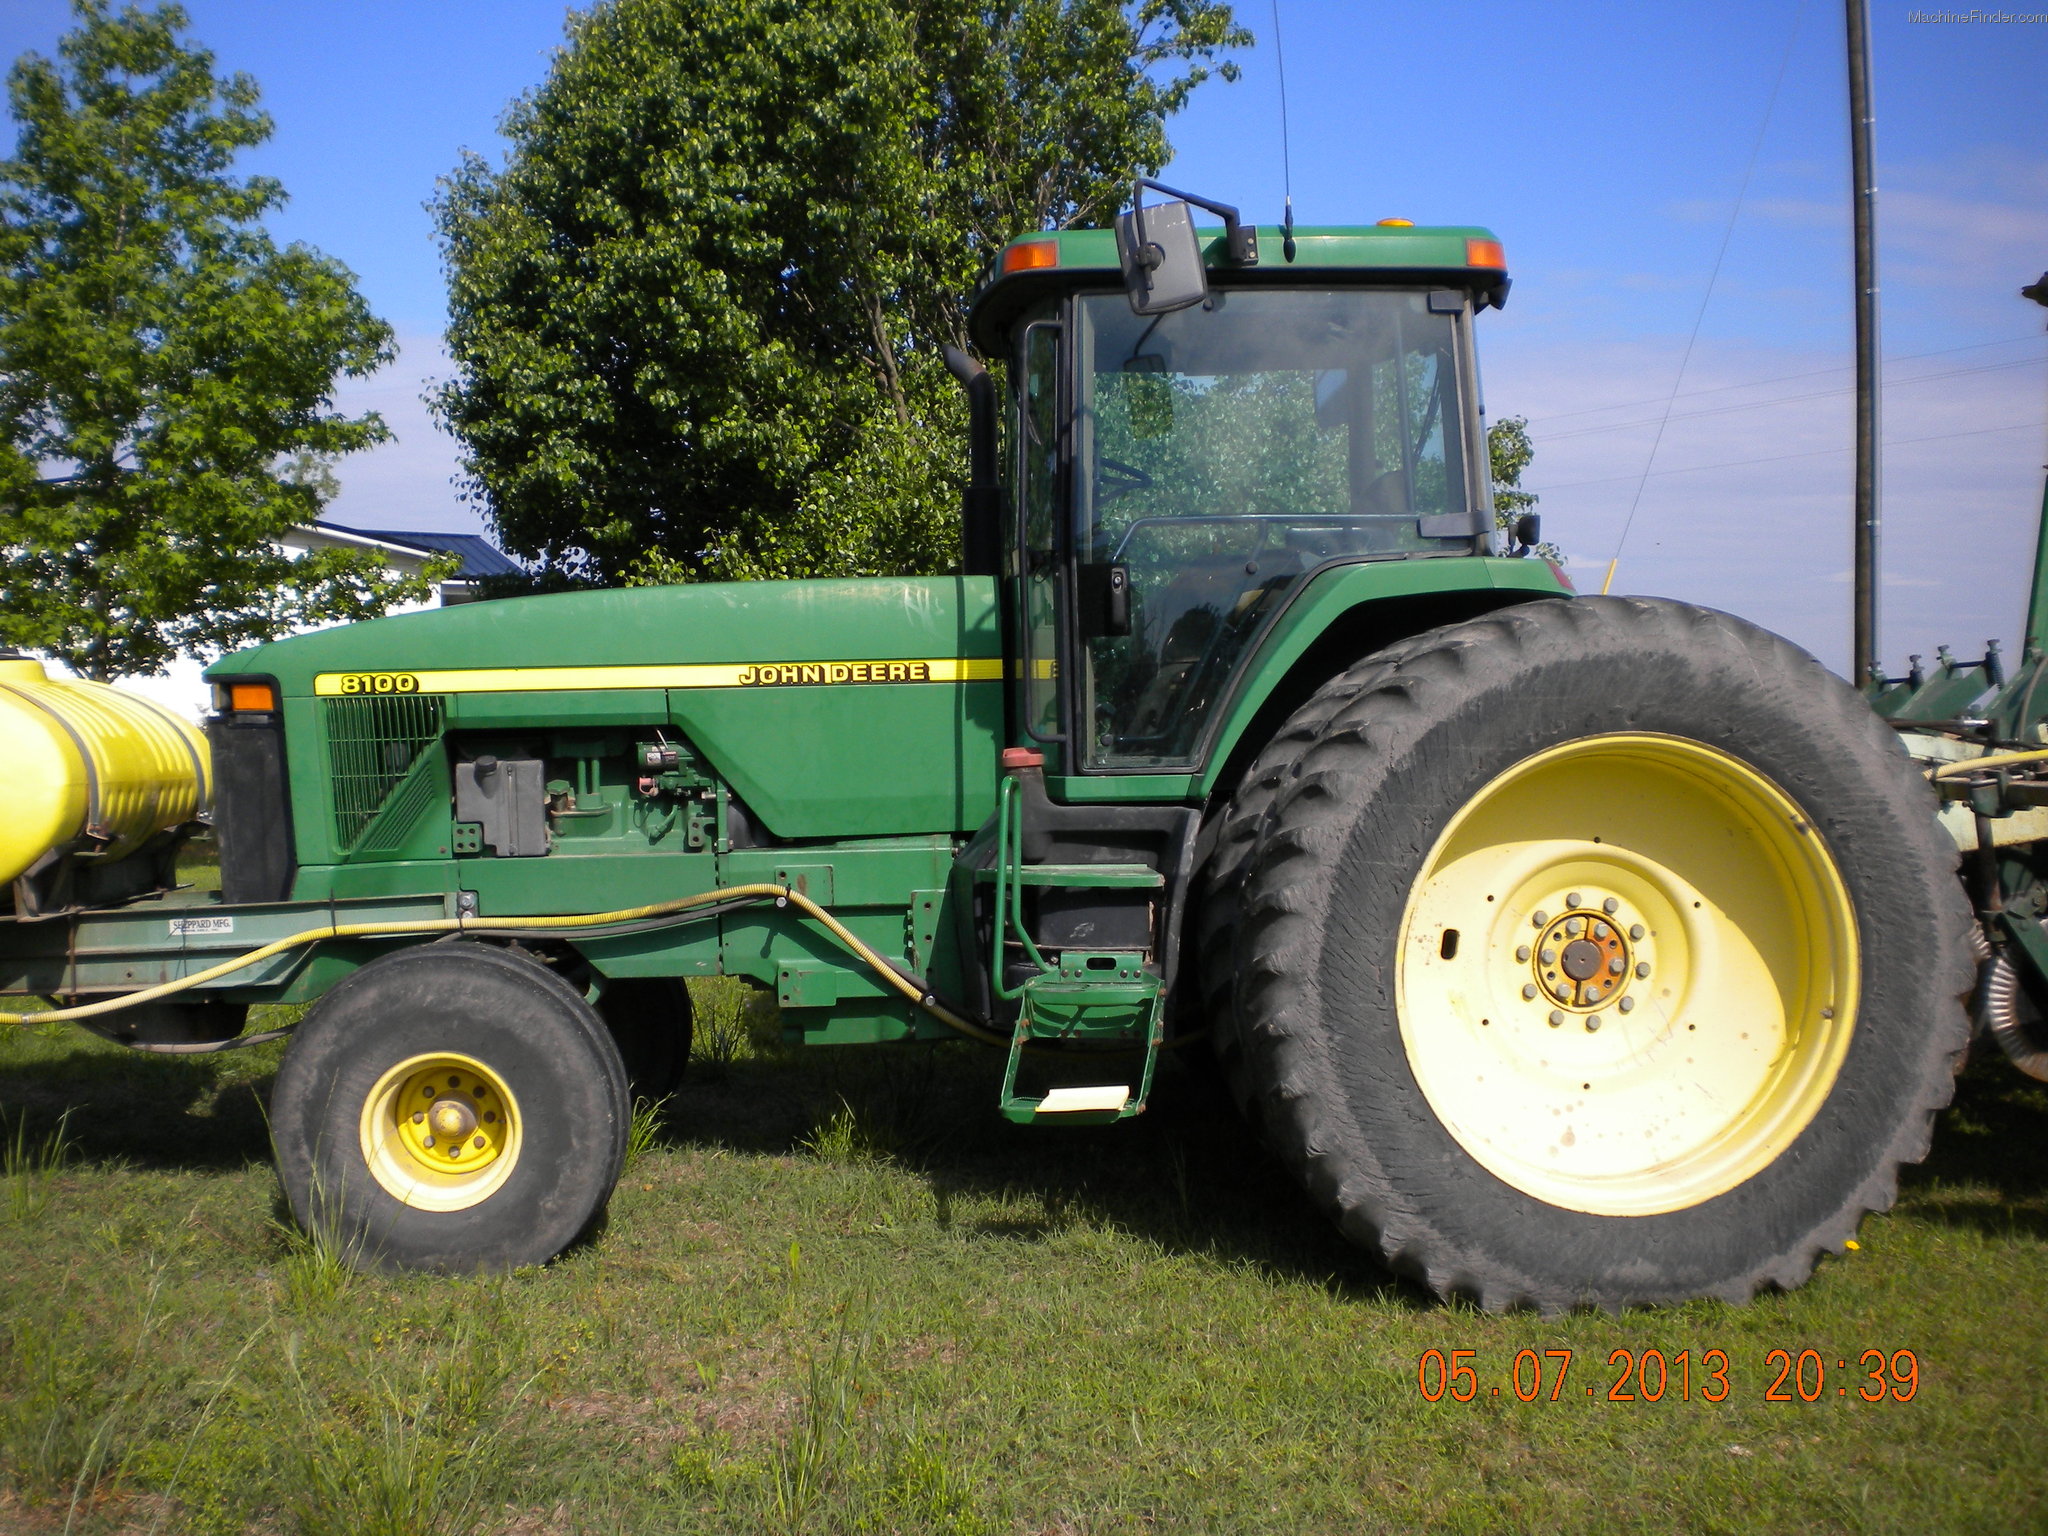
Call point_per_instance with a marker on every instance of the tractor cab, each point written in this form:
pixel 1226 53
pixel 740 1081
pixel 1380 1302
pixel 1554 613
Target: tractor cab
pixel 1198 422
pixel 1199 425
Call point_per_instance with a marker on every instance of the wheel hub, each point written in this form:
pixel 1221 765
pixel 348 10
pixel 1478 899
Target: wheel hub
pixel 452 1119
pixel 1584 959
pixel 440 1132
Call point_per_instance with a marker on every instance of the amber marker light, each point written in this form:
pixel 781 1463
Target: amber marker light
pixel 251 696
pixel 1396 224
pixel 1485 253
pixel 1030 255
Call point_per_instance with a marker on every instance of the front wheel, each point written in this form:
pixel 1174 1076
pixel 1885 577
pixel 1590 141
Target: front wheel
pixel 451 1107
pixel 1597 952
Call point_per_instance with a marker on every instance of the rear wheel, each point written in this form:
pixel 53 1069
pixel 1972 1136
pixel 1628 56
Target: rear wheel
pixel 651 1022
pixel 450 1107
pixel 1597 952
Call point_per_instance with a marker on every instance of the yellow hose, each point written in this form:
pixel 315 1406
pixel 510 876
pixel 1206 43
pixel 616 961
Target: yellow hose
pixel 1989 760
pixel 803 903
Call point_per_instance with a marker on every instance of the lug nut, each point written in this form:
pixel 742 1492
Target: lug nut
pixel 1556 1018
pixel 1592 1023
pixel 419 1117
pixel 1522 953
pixel 1539 917
pixel 1642 968
pixel 1636 931
pixel 1572 900
pixel 1548 957
pixel 1610 906
pixel 1528 991
pixel 479 1143
pixel 429 1141
pixel 1626 1005
pixel 1575 926
pixel 1616 966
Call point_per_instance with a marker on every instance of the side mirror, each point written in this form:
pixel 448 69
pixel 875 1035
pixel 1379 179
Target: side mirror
pixel 1162 259
pixel 1526 532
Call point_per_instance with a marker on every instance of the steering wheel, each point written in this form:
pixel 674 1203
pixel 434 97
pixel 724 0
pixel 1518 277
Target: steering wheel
pixel 1114 479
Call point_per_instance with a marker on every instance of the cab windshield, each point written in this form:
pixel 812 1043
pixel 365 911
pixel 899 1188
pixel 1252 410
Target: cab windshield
pixel 1225 450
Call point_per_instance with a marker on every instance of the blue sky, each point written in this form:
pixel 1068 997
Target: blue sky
pixel 1606 143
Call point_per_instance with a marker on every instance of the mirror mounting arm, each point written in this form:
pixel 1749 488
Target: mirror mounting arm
pixel 1240 240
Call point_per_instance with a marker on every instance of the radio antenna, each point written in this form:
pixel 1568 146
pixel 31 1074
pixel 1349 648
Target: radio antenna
pixel 1286 157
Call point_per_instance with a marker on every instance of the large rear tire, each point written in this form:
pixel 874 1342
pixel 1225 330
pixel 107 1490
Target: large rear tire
pixel 451 1107
pixel 1598 952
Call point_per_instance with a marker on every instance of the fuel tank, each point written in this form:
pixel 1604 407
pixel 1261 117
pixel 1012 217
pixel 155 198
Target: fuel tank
pixel 88 770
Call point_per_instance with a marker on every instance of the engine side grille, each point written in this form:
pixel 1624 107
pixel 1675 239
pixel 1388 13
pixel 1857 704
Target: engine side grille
pixel 371 741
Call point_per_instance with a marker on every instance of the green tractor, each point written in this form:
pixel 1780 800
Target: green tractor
pixel 1572 951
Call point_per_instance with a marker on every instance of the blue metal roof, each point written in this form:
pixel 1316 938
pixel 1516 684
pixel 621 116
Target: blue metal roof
pixel 480 557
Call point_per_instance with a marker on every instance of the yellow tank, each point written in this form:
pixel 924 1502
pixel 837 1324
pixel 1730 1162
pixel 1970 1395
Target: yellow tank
pixel 86 760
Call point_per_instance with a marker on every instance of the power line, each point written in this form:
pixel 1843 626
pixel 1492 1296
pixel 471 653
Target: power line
pixel 1727 234
pixel 1694 469
pixel 1781 378
pixel 1754 405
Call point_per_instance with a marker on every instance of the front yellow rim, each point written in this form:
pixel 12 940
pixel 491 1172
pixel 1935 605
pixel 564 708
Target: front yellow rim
pixel 1627 974
pixel 441 1132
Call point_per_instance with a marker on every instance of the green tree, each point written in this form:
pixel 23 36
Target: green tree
pixel 166 370
pixel 696 316
pixel 1509 450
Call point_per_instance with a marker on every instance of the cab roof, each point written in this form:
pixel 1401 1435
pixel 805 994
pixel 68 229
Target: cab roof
pixel 1463 256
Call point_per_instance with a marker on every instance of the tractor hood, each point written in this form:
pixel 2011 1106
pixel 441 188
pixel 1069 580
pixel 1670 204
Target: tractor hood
pixel 735 623
pixel 834 708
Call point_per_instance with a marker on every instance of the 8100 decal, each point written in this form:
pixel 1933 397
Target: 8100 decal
pixel 1648 1376
pixel 350 683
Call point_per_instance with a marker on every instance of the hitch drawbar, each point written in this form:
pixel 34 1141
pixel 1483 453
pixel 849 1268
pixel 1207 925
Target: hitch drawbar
pixel 1105 999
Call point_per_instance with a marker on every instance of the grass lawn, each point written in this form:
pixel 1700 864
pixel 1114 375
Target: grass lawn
pixel 837 1293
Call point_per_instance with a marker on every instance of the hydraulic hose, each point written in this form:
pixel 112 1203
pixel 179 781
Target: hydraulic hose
pixel 910 987
pixel 1989 760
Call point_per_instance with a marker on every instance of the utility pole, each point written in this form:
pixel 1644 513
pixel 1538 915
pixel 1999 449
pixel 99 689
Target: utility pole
pixel 1863 660
pixel 2037 604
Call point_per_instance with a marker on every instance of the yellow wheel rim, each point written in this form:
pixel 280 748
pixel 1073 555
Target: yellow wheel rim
pixel 441 1132
pixel 1627 974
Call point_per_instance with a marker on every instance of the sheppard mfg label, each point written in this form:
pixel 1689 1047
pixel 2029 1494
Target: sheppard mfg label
pixel 184 927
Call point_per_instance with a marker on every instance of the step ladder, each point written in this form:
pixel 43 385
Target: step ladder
pixel 1106 998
